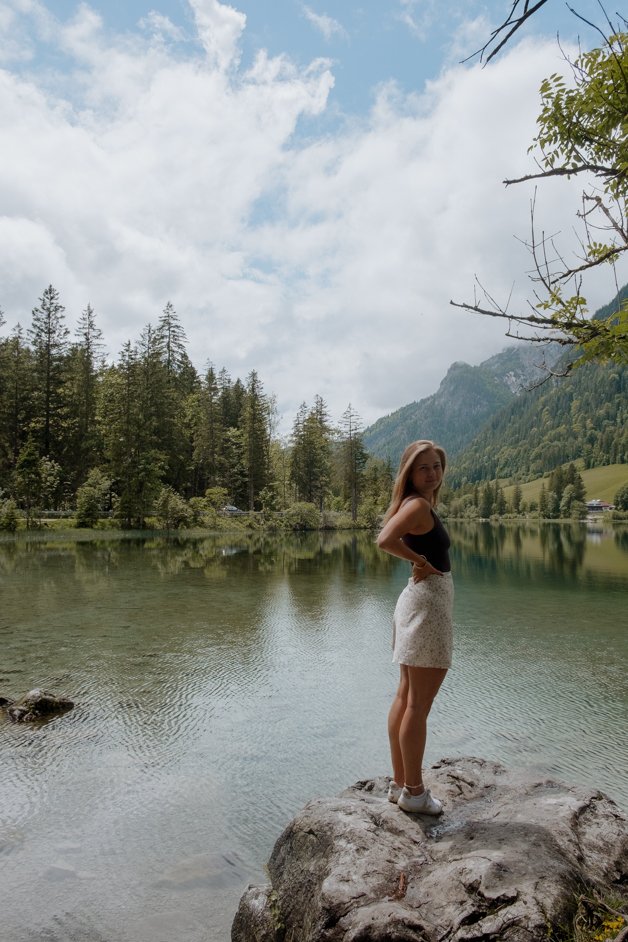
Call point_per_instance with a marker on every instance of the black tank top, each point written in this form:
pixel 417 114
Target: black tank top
pixel 434 545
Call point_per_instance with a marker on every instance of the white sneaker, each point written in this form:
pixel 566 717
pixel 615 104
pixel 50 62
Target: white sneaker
pixel 394 791
pixel 419 804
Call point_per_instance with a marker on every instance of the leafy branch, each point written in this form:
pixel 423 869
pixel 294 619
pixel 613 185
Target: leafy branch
pixel 582 130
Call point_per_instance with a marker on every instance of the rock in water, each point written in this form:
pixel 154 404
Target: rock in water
pixel 506 861
pixel 38 705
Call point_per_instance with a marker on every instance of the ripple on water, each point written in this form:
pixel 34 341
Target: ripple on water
pixel 209 710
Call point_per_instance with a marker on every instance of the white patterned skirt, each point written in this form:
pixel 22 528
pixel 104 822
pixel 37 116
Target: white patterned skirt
pixel 423 623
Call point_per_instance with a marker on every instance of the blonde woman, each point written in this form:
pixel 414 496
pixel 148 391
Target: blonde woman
pixel 422 624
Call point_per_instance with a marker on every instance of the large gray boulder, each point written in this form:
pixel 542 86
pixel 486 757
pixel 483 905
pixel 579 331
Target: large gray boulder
pixel 506 860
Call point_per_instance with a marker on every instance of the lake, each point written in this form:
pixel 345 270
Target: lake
pixel 222 681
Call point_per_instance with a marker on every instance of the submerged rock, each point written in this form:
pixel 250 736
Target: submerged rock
pixel 506 860
pixel 37 705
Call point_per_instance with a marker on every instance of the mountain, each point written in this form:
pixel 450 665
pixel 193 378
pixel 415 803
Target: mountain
pixel 582 415
pixel 466 399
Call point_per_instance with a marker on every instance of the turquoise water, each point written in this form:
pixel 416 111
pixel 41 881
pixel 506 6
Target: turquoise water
pixel 222 682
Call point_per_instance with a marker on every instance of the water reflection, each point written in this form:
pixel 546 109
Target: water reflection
pixel 562 551
pixel 220 682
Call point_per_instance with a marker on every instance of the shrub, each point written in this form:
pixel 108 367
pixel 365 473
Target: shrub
pixel 91 498
pixel 9 515
pixel 302 516
pixel 369 515
pixel 171 510
pixel 621 498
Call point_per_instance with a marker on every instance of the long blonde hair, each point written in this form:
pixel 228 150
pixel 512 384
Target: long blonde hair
pixel 403 485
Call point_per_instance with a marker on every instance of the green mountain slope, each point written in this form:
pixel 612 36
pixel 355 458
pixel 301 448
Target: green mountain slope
pixel 467 397
pixel 583 415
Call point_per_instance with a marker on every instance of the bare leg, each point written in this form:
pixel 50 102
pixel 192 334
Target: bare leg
pixel 423 685
pixel 395 716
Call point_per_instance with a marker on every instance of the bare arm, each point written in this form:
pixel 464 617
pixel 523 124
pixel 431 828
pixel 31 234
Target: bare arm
pixel 413 516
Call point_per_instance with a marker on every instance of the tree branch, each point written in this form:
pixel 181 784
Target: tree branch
pixel 515 24
pixel 601 171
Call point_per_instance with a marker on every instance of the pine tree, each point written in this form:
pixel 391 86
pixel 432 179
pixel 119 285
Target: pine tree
pixel 4 442
pixel 82 432
pixel 171 339
pixel 16 400
pixel 235 461
pixel 353 458
pixel 163 404
pixel 256 438
pixel 206 432
pixel 543 504
pixel 49 337
pixel 516 498
pixel 574 478
pixel 27 483
pixel 127 419
pixel 231 400
pixel 310 466
pixel 499 505
pixel 487 501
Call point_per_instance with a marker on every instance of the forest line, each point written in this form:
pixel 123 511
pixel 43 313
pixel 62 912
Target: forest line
pixel 77 433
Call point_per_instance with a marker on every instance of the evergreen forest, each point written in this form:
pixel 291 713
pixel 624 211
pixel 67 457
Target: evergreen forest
pixel 149 434
pixel 148 440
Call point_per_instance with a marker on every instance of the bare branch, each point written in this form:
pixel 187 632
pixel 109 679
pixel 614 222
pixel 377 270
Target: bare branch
pixel 534 319
pixel 614 224
pixel 610 172
pixel 550 374
pixel 512 24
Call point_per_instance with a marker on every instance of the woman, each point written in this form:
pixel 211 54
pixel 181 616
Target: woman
pixel 422 625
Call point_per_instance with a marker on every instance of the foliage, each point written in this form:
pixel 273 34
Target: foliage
pixel 92 498
pixel 9 515
pixel 171 510
pixel 216 497
pixel 582 130
pixel 155 423
pixel 562 495
pixel 147 432
pixel 51 480
pixel 256 415
pixel 370 515
pixel 27 481
pixel 601 483
pixel 621 498
pixel 353 457
pixel 310 467
pixel 582 416
pixel 302 515
pixel 597 917
pixel 49 337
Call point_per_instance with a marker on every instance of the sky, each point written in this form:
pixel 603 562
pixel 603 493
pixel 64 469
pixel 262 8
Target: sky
pixel 309 184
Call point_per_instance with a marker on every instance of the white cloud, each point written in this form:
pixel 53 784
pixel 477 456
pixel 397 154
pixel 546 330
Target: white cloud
pixel 325 24
pixel 219 28
pixel 160 25
pixel 327 265
pixel 418 16
pixel 469 37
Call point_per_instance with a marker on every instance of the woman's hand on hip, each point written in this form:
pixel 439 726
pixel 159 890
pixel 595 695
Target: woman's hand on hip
pixel 421 572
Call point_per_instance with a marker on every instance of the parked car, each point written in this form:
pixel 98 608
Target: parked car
pixel 232 511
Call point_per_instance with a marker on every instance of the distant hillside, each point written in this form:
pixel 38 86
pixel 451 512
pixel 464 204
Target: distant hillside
pixel 583 415
pixel 599 483
pixel 466 399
